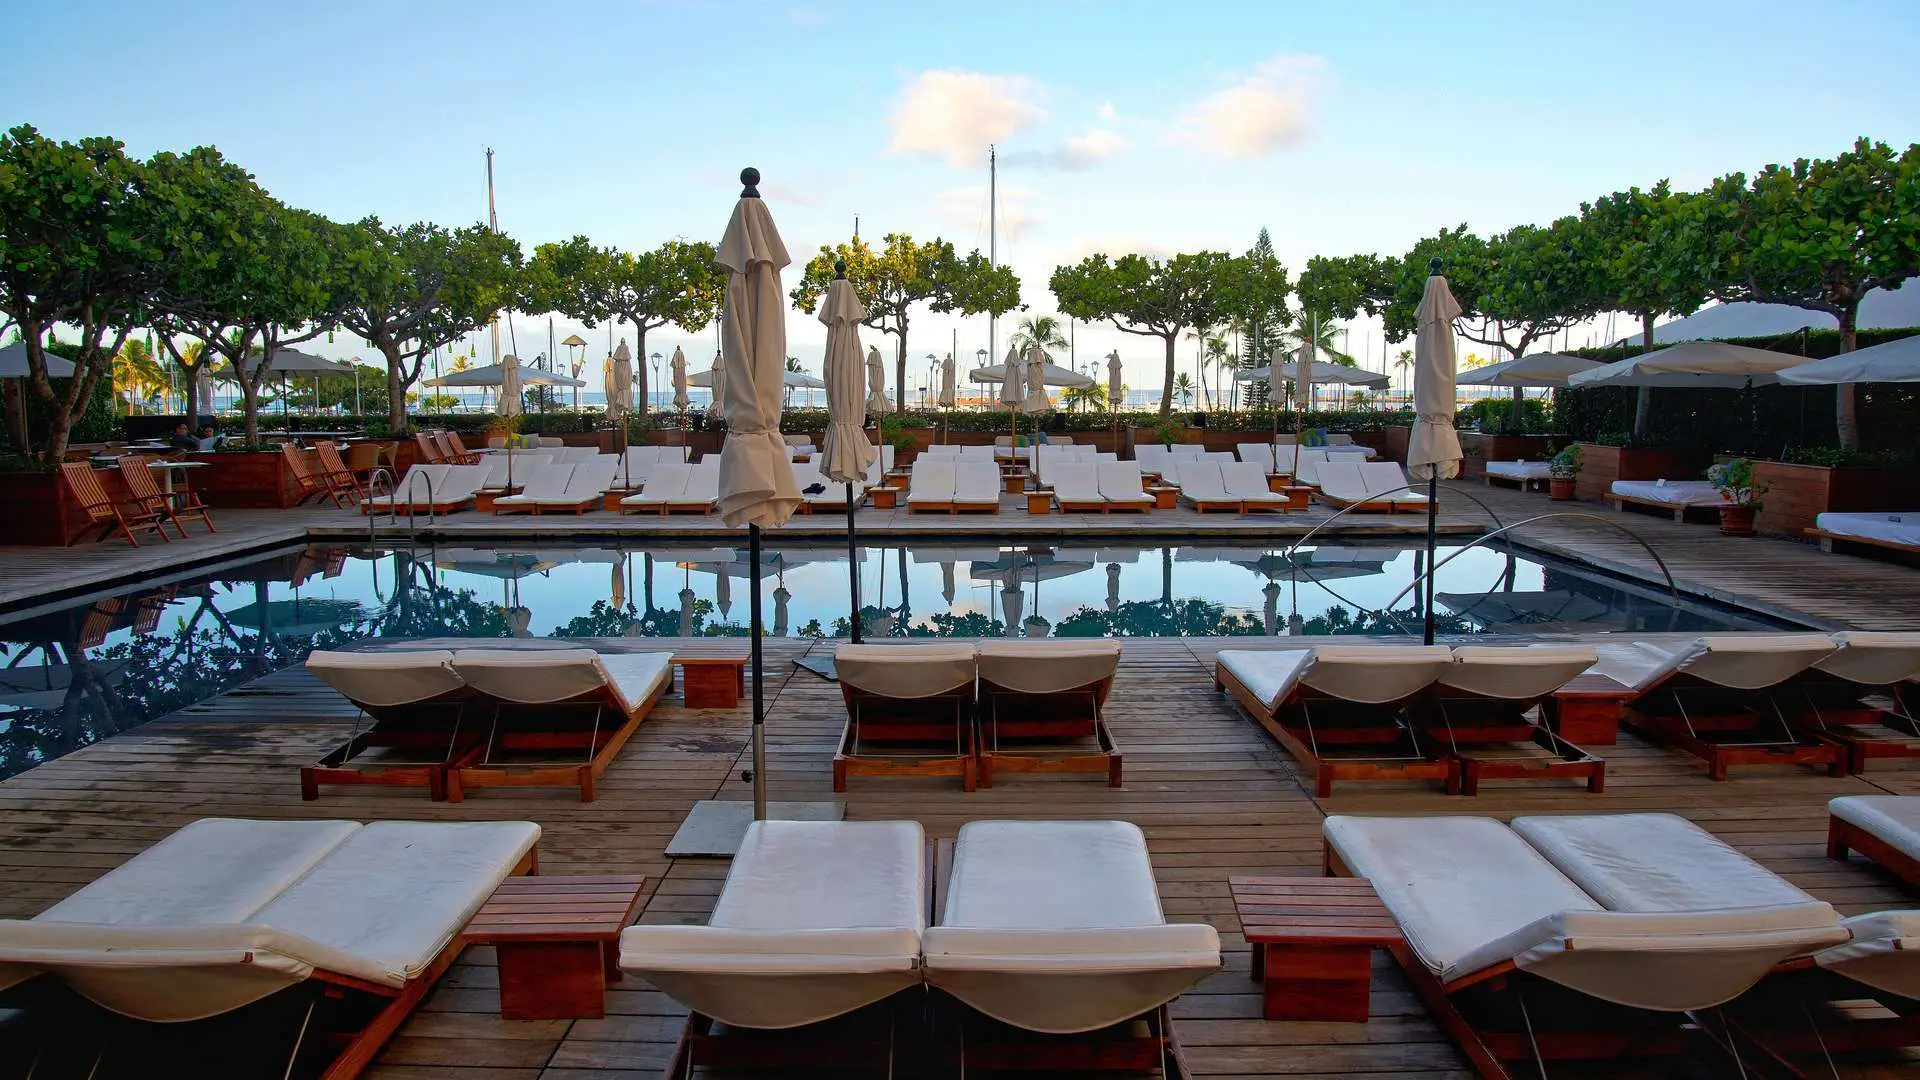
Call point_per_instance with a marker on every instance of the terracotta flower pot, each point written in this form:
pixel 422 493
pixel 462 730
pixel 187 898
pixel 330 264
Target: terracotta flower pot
pixel 1560 488
pixel 1736 520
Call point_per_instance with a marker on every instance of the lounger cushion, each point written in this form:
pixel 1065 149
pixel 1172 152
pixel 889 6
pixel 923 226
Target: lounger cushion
pixel 1873 659
pixel 1753 661
pixel 1046 667
pixel 383 677
pixel 817 918
pixel 1892 819
pixel 1270 674
pixel 1055 926
pixel 1522 673
pixel 1375 674
pixel 1659 862
pixel 536 677
pixel 1901 527
pixel 906 671
pixel 1882 952
pixel 1669 492
pixel 1519 470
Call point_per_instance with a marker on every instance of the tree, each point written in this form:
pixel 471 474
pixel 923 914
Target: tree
pixel 892 281
pixel 1258 305
pixel 1148 297
pixel 79 247
pixel 410 291
pixel 1820 235
pixel 677 283
pixel 1092 397
pixel 1343 287
pixel 136 375
pixel 1041 332
pixel 1650 261
pixel 1183 386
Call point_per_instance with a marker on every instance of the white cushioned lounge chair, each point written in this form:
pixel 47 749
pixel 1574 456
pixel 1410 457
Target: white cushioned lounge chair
pixel 1488 711
pixel 1247 481
pixel 909 712
pixel 547 482
pixel 664 482
pixel 1040 707
pixel 1527 474
pixel 1076 486
pixel 1862 696
pixel 976 487
pixel 1884 828
pixel 416 706
pixel 930 486
pixel 1122 487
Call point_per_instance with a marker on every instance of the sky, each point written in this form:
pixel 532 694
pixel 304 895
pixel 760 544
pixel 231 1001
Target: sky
pixel 1120 126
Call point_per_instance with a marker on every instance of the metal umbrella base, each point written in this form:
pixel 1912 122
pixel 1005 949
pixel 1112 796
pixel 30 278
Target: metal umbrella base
pixel 715 827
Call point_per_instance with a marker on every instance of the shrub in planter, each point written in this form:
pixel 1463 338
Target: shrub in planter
pixel 1733 479
pixel 1561 472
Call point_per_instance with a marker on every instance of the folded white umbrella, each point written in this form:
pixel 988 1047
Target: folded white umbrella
pixel 510 385
pixel 1114 387
pixel 1434 449
pixel 877 403
pixel 717 383
pixel 1011 375
pixel 1303 371
pixel 680 399
pixel 845 453
pixel 947 389
pixel 1696 364
pixel 620 386
pixel 1035 400
pixel 756 471
pixel 1888 362
pixel 1276 377
pixel 1537 370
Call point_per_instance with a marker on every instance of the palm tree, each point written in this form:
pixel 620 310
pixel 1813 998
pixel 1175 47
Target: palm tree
pixel 136 374
pixel 1183 388
pixel 1404 361
pixel 1039 331
pixel 1094 397
pixel 1221 358
pixel 1295 336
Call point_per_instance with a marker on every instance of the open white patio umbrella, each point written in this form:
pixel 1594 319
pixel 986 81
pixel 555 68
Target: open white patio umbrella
pixel 1536 370
pixel 1433 451
pixel 756 471
pixel 1324 374
pixel 800 380
pixel 1889 362
pixel 509 385
pixel 1700 365
pixel 620 385
pixel 495 374
pixel 13 363
pixel 680 399
pixel 948 392
pixel 1053 375
pixel 845 453
pixel 877 403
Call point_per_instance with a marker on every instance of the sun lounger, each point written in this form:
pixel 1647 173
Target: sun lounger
pixel 558 716
pixel 585 488
pixel 817 919
pixel 414 484
pixel 1055 928
pixel 1203 488
pixel 545 482
pixel 1192 450
pixel 976 487
pixel 1884 828
pixel 663 483
pixel 225 913
pixel 944 451
pixel 1247 481
pixel 1121 486
pixel 1528 475
pixel 1256 453
pixel 1673 496
pixel 417 725
pixel 702 490
pixel 1040 705
pixel 1340 710
pixel 521 464
pixel 1303 462
pixel 1347 484
pixel 1722 698
pixel 909 712
pixel 1486 914
pixel 1893 530
pixel 1076 486
pixel 1861 696
pixel 176 504
pixel 1152 457
pixel 102 512
pixel 1486 709
pixel 930 486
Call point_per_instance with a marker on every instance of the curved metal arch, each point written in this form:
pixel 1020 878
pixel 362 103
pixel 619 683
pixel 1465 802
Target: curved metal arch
pixel 1673 590
pixel 1345 510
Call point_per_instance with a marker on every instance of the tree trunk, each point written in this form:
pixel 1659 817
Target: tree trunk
pixel 1166 384
pixel 13 401
pixel 640 375
pixel 1643 400
pixel 396 390
pixel 899 370
pixel 1846 415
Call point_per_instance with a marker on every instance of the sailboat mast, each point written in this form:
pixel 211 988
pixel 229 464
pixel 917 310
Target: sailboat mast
pixel 493 225
pixel 993 234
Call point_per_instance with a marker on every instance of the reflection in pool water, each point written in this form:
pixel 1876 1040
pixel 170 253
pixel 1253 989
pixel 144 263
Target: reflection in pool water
pixel 70 677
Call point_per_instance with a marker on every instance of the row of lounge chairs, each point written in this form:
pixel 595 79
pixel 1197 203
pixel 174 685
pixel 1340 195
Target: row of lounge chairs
pixel 1464 714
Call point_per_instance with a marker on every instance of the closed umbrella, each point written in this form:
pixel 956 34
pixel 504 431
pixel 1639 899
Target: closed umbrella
pixel 877 403
pixel 845 453
pixel 780 598
pixel 1270 611
pixel 620 386
pixel 686 612
pixel 756 470
pixel 946 582
pixel 1114 389
pixel 1433 452
pixel 1113 587
pixel 680 399
pixel 947 390
pixel 1013 600
pixel 510 385
pixel 723 591
pixel 717 385
pixel 1035 400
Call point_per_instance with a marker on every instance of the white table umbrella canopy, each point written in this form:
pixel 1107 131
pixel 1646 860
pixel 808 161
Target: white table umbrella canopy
pixel 877 403
pixel 756 471
pixel 1539 370
pixel 1701 365
pixel 495 375
pixel 1053 375
pixel 285 362
pixel 13 363
pixel 1434 449
pixel 845 452
pixel 1889 362
pixel 1322 375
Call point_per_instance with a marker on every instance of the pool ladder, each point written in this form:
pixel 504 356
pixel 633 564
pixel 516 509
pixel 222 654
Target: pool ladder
pixel 381 477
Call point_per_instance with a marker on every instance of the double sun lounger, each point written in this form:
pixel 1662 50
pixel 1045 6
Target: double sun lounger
pixel 953 487
pixel 450 721
pixel 1041 943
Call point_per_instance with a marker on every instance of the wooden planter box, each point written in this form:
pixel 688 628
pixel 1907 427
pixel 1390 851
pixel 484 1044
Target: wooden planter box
pixel 36 508
pixel 1480 448
pixel 1394 442
pixel 1602 465
pixel 1796 494
pixel 248 479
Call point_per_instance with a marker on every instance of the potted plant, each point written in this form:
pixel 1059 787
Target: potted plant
pixel 1561 471
pixel 1733 479
pixel 1167 432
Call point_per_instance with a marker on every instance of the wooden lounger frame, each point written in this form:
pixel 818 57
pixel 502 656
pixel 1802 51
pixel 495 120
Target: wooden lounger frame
pixel 1799 1010
pixel 1305 744
pixel 575 506
pixel 1844 836
pixel 1095 505
pixel 1371 506
pixel 1030 722
pixel 415 726
pixel 1827 540
pixel 475 769
pixel 1703 735
pixel 920 722
pixel 1852 723
pixel 1487 722
pixel 1679 512
pixel 1524 483
pixel 698 506
pixel 1207 504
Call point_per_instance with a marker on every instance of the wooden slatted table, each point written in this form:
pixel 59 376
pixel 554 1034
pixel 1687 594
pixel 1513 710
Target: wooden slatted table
pixel 711 682
pixel 558 941
pixel 1313 942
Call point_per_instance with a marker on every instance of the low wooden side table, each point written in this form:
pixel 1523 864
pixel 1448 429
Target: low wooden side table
pixel 1586 711
pixel 1039 502
pixel 1313 942
pixel 558 940
pixel 711 682
pixel 483 502
pixel 610 502
pixel 1013 483
pixel 1164 498
pixel 884 498
pixel 1299 496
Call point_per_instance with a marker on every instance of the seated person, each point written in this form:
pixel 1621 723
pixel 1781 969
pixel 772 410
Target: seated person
pixel 182 439
pixel 208 440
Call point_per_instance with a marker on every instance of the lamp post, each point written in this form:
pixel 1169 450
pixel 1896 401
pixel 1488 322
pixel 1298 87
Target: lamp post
pixel 981 356
pixel 655 388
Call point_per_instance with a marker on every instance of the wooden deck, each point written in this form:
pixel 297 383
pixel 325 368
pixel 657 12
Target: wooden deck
pixel 1215 796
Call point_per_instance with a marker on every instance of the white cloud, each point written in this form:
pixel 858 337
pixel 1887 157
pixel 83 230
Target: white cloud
pixel 1263 111
pixel 955 114
pixel 1097 145
pixel 1107 115
pixel 965 211
pixel 1114 245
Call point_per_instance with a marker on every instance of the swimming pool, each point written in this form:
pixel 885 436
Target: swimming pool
pixel 73 673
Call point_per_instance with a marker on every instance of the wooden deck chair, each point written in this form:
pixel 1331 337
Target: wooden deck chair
pixel 663 484
pixel 458 450
pixel 909 712
pixel 1122 487
pixel 1485 712
pixel 428 451
pixel 364 457
pixel 1202 486
pixel 1040 708
pixel 976 488
pixel 1342 711
pixel 258 948
pixel 146 492
pixel 419 720
pixel 702 490
pixel 312 485
pixel 559 716
pixel 1247 481
pixel 1862 696
pixel 99 621
pixel 87 491
pixel 1884 828
pixel 334 472
pixel 930 486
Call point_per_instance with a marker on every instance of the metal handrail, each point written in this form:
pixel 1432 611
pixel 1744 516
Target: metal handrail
pixel 1345 510
pixel 375 479
pixel 412 475
pixel 1673 589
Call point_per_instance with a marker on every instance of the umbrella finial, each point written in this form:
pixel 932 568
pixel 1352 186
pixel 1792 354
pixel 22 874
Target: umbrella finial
pixel 1433 266
pixel 839 269
pixel 750 179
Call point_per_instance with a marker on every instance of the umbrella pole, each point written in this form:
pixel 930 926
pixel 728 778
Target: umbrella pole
pixel 759 701
pixel 1433 521
pixel 853 568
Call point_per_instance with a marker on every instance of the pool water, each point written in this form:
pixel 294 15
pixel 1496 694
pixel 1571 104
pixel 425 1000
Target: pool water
pixel 71 675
